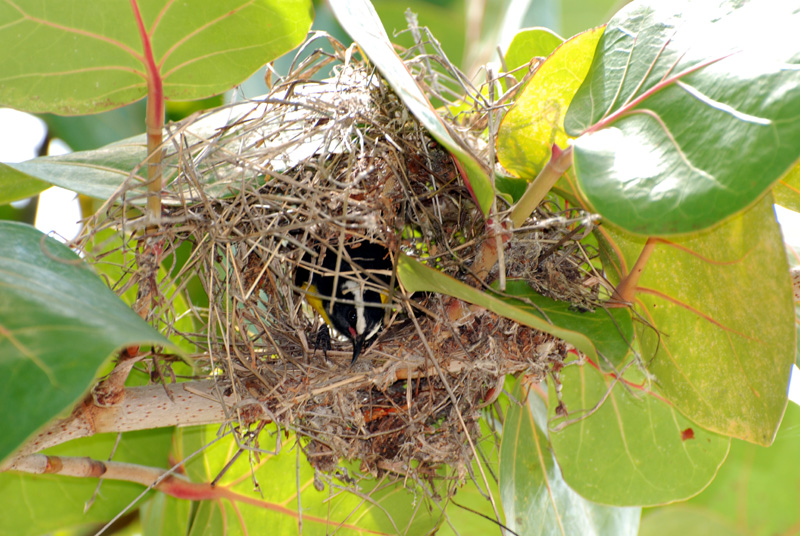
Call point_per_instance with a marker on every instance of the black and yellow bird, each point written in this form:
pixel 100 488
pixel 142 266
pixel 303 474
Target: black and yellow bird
pixel 348 297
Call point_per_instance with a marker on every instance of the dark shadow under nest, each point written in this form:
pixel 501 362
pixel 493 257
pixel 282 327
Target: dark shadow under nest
pixel 321 164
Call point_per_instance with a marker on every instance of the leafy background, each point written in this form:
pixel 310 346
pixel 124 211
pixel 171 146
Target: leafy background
pixel 748 477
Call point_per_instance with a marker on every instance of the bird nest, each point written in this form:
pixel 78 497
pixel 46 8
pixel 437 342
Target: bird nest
pixel 314 166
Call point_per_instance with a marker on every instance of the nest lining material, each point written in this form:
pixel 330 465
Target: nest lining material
pixel 322 164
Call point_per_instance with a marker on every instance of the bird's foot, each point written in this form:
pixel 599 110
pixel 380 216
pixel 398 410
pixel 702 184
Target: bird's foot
pixel 323 340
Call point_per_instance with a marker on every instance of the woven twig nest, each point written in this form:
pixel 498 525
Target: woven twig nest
pixel 313 166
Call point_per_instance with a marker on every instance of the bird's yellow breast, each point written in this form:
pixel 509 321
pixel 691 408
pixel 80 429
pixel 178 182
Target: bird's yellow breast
pixel 315 301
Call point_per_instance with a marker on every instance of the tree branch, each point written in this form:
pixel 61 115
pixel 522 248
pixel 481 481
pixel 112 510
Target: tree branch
pixel 142 408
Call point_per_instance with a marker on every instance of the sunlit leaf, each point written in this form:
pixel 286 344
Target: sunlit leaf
pixel 536 121
pixel 766 480
pixel 718 331
pixel 682 122
pixel 536 498
pixel 635 449
pixel 359 19
pixel 603 334
pixel 58 324
pixel 84 56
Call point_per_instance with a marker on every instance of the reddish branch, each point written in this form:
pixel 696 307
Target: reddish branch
pixel 165 481
pixel 155 117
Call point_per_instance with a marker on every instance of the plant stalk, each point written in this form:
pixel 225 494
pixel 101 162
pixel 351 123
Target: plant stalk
pixel 560 161
pixel 626 290
pixel 154 120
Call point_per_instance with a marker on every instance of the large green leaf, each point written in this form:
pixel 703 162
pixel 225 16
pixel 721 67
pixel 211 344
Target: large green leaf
pixel 604 334
pixel 718 331
pixel 635 449
pixel 84 56
pixel 756 492
pixel 44 504
pixel 286 495
pixel 359 19
pixel 58 324
pixel 536 499
pixel 687 114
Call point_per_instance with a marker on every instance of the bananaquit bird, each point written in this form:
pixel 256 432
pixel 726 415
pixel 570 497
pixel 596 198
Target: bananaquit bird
pixel 348 309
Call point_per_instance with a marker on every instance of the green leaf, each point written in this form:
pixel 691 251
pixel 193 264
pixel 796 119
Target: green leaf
pixel 470 512
pixel 358 18
pixel 163 515
pixel 16 185
pixel 87 132
pixel 535 496
pixel 718 331
pixel 511 188
pixel 58 324
pixel 44 504
pixel 112 261
pixel 635 449
pixel 98 173
pixel 766 480
pixel 756 492
pixel 604 334
pixel 787 191
pixel 286 487
pixel 530 43
pixel 536 120
pixel 687 521
pixel 682 122
pixel 85 56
